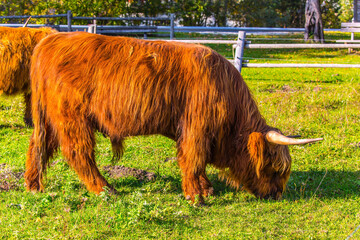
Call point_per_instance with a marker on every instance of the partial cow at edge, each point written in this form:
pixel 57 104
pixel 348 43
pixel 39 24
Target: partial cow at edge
pixel 16 47
pixel 82 82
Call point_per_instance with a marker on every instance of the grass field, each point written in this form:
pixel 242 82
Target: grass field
pixel 322 199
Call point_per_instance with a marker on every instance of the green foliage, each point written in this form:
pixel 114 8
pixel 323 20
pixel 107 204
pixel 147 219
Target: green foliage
pixel 264 13
pixel 346 10
pixel 322 199
pixel 15 7
pixel 331 10
pixel 193 12
pixel 149 8
pixel 250 13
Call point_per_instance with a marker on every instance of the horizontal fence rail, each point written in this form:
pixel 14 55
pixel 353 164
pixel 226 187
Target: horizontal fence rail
pixel 166 29
pixel 61 28
pixel 297 45
pixel 236 29
pixel 116 30
pixel 203 41
pixel 124 18
pixel 348 41
pixel 299 65
pixel 36 16
pixel 350 27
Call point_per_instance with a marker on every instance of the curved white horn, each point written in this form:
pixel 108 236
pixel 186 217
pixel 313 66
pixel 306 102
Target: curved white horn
pixel 27 21
pixel 278 138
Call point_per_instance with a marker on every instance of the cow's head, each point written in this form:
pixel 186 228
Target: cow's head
pixel 270 163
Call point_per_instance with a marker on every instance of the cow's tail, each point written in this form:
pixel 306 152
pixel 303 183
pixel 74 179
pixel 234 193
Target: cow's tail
pixel 41 150
pixel 37 158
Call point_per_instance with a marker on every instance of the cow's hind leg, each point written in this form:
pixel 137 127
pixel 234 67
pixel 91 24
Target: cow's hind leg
pixel 28 116
pixel 117 149
pixel 42 146
pixel 77 145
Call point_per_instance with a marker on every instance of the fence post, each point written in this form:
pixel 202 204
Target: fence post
pixel 95 24
pixel 69 17
pixel 352 34
pixel 90 28
pixel 239 52
pixel 172 26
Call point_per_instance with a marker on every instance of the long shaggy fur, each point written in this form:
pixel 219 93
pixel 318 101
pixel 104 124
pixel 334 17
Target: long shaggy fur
pixel 16 47
pixel 126 87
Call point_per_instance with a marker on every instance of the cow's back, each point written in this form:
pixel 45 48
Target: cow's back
pixel 130 86
pixel 16 47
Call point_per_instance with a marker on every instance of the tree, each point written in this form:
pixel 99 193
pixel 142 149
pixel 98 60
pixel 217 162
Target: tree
pixel 313 21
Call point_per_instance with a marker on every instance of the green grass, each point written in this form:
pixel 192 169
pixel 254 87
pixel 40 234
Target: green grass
pixel 322 200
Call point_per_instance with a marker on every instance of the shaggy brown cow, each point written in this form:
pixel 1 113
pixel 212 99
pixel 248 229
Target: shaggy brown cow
pixel 16 47
pixel 127 87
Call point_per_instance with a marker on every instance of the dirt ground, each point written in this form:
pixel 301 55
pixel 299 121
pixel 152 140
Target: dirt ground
pixel 9 179
pixel 123 172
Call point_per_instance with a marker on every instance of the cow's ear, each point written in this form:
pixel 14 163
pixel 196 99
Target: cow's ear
pixel 256 146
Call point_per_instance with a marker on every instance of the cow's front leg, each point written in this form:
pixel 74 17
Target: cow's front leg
pixel 206 186
pixel 77 145
pixel 192 159
pixel 190 183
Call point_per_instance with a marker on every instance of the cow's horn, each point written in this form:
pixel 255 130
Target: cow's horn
pixel 278 138
pixel 27 21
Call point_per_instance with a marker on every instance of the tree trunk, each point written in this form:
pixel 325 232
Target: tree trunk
pixel 313 21
pixel 224 13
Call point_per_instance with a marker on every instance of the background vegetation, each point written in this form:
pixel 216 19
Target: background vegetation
pixel 250 13
pixel 322 200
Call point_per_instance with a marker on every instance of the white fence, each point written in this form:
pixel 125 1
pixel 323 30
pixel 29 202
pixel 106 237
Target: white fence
pixel 144 27
pixel 242 44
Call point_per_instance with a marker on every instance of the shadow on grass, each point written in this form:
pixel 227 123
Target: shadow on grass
pixel 307 184
pixel 12 126
pixel 130 184
pixel 301 185
pixel 323 184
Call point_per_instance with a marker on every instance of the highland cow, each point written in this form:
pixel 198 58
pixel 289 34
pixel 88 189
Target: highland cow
pixel 16 47
pixel 126 87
